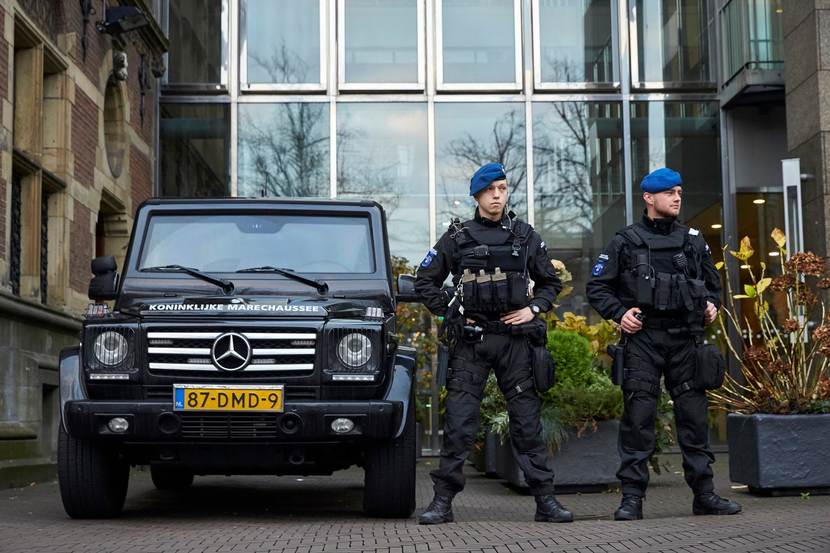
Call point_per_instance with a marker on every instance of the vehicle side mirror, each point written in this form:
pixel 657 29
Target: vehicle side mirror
pixel 406 289
pixel 104 285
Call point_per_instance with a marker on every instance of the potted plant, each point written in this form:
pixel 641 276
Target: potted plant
pixel 778 425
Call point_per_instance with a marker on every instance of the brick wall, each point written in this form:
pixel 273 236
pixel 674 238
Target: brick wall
pixel 141 171
pixel 96 43
pixel 84 137
pixel 80 248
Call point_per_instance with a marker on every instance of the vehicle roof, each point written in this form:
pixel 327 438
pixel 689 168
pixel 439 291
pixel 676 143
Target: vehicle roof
pixel 200 203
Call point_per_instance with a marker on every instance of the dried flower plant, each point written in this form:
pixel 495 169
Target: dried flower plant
pixel 785 370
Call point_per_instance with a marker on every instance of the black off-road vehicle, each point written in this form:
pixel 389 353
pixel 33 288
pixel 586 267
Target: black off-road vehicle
pixel 247 337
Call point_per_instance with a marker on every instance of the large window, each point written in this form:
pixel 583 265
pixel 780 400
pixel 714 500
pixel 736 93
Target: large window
pixel 671 43
pixel 198 56
pixel 382 155
pixel 193 150
pixel 684 136
pixel 579 197
pixel 282 46
pixel 574 43
pixel 284 149
pixel 381 44
pixel 468 136
pixel 479 43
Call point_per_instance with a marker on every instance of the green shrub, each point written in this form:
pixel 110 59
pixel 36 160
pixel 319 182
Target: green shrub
pixel 574 360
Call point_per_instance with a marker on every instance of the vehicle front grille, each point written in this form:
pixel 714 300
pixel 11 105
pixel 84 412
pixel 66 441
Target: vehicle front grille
pixel 224 426
pixel 275 351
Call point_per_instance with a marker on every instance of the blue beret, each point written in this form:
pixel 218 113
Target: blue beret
pixel 486 174
pixel 660 179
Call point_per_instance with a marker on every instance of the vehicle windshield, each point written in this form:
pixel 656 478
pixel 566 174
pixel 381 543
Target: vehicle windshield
pixel 225 243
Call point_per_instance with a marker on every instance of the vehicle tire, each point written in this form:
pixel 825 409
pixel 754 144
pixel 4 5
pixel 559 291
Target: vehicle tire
pixel 171 478
pixel 93 480
pixel 389 482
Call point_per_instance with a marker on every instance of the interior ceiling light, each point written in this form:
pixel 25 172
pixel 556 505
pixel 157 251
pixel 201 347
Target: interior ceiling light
pixel 717 226
pixel 773 254
pixel 759 201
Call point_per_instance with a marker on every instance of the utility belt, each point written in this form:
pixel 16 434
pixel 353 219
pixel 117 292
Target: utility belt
pixel 495 292
pixel 709 373
pixel 542 364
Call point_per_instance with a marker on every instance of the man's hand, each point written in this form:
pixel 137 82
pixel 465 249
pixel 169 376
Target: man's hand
pixel 710 313
pixel 523 315
pixel 629 323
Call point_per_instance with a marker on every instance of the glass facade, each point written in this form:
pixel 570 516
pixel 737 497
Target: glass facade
pixel 399 101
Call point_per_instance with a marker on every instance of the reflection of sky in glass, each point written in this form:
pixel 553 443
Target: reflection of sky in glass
pixel 575 41
pixel 382 156
pixel 283 41
pixel 381 41
pixel 685 137
pixel 283 150
pixel 670 44
pixel 478 41
pixel 468 136
pixel 196 42
pixel 579 198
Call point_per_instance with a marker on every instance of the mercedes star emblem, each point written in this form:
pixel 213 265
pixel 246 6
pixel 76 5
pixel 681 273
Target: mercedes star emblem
pixel 231 351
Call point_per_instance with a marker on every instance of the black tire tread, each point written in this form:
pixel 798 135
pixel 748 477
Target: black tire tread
pixel 93 481
pixel 389 490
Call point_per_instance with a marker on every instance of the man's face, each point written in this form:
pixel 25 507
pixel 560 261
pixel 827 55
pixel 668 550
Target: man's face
pixel 491 200
pixel 665 203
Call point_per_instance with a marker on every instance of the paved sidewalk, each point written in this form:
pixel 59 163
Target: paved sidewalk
pixel 322 514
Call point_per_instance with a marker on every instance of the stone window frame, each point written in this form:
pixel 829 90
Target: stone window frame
pixel 40 164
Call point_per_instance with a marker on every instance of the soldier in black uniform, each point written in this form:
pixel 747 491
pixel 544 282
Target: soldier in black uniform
pixel 657 280
pixel 491 257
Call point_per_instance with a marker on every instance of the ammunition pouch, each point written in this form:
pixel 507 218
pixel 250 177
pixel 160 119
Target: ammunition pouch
pixel 710 367
pixel 494 293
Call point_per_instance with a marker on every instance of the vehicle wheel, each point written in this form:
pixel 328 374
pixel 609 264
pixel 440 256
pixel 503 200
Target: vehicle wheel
pixel 93 480
pixel 171 478
pixel 389 490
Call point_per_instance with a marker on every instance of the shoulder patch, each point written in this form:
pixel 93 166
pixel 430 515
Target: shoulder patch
pixel 693 231
pixel 428 258
pixel 599 266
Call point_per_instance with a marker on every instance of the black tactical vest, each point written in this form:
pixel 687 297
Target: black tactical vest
pixel 662 274
pixel 492 264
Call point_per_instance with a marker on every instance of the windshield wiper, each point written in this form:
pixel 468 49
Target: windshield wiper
pixel 321 286
pixel 225 285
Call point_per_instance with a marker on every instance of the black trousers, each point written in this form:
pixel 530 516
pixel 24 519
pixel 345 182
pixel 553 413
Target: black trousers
pixel 470 364
pixel 649 354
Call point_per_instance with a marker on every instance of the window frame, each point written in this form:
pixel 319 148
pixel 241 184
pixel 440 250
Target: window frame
pixel 634 60
pixel 220 87
pixel 343 84
pixel 515 86
pixel 539 84
pixel 247 87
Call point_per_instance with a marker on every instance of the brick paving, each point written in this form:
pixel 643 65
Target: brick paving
pixel 322 514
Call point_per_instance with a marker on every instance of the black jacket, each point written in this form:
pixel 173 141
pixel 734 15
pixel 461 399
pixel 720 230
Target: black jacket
pixel 603 285
pixel 442 260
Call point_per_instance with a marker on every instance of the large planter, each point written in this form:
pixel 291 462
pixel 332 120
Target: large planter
pixel 779 454
pixel 583 464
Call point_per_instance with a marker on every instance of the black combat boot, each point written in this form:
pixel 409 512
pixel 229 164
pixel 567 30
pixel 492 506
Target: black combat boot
pixel 631 508
pixel 548 509
pixel 438 512
pixel 713 504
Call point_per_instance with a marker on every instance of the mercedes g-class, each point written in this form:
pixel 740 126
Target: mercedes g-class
pixel 247 336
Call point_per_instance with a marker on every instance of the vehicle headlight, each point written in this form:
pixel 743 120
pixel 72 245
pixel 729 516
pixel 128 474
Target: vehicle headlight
pixel 354 350
pixel 110 348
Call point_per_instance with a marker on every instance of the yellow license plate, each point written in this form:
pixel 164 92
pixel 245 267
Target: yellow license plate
pixel 228 397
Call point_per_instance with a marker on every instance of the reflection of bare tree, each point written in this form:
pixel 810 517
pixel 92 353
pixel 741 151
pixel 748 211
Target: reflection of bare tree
pixel 572 168
pixel 359 172
pixel 289 152
pixel 505 144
